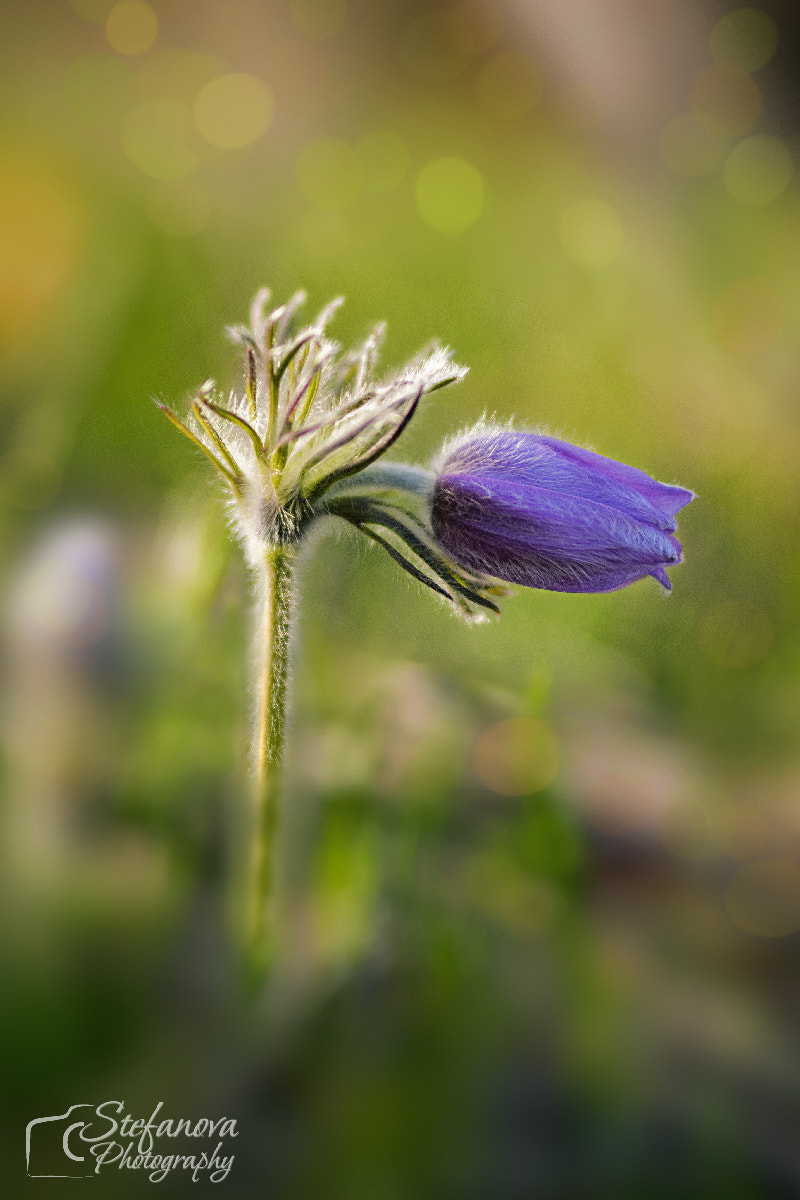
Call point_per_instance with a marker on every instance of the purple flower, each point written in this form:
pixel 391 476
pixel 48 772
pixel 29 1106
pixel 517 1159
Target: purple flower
pixel 534 510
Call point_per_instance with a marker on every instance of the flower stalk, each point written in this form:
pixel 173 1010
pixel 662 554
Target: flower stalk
pixel 300 442
pixel 272 659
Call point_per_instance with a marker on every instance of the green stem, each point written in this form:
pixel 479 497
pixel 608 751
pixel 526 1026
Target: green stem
pixel 270 733
pixel 384 476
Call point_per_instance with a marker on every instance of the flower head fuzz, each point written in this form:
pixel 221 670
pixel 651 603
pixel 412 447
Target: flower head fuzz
pixel 308 417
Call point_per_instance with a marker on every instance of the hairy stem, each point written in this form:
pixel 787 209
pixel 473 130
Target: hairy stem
pixel 382 476
pixel 272 662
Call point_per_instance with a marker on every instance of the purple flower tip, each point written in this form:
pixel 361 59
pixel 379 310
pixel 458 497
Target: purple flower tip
pixel 537 511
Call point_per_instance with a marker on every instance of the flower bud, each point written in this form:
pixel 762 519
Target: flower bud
pixel 537 511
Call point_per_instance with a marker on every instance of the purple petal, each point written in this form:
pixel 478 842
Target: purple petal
pixel 543 538
pixel 537 511
pixel 665 496
pixel 663 578
pixel 548 462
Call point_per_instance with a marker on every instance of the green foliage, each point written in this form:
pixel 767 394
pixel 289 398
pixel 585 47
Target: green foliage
pixel 564 991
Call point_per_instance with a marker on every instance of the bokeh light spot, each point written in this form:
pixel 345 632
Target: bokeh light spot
pixel 591 233
pixel 40 235
pixel 318 19
pixel 450 195
pixel 154 138
pixel 508 86
pixel 427 51
pixel 233 110
pixel 131 27
pixel 688 148
pixel 763 897
pixel 516 757
pixel 746 38
pixel 758 169
pixel 736 634
pixel 385 159
pixel 330 173
pixel 749 315
pixel 179 208
pixel 474 26
pixel 725 101
pixel 99 89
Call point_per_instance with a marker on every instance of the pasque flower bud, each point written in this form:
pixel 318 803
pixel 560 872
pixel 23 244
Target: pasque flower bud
pixel 537 511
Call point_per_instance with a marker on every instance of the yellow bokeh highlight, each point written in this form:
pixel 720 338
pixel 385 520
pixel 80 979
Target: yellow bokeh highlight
pixel 385 158
pixel 450 195
pixel 763 898
pixel 131 27
pixel 591 233
pixel 427 51
pixel 736 634
pixel 330 174
pixel 154 139
pixel 688 148
pixel 179 208
pixel 474 26
pixel 725 101
pixel 233 110
pixel 758 169
pixel 748 316
pixel 516 757
pixel 40 237
pixel 746 38
pixel 508 86
pixel 318 19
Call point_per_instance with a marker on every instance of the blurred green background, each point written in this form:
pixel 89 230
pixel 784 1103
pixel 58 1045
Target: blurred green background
pixel 544 888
